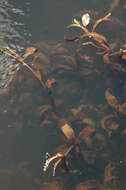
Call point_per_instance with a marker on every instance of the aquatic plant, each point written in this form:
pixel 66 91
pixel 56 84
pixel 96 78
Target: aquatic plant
pixel 97 37
pixel 73 143
pixel 10 52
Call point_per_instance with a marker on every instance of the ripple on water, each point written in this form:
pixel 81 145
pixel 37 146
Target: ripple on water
pixel 12 30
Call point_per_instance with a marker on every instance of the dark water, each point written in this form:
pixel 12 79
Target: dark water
pixel 26 136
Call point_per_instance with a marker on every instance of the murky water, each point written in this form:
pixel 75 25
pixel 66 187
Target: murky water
pixel 26 131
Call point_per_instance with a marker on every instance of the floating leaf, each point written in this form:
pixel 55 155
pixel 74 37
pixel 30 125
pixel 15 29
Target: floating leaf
pixel 29 51
pixel 85 19
pixel 68 132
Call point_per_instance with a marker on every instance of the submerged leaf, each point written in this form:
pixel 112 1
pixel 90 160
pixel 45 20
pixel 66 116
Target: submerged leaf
pixel 38 75
pixel 85 19
pixel 109 125
pixel 88 121
pixel 43 109
pixel 106 58
pixel 68 132
pixel 50 82
pixel 123 54
pixel 108 175
pixel 112 100
pixel 29 51
pixel 86 132
pixel 122 109
pixel 89 185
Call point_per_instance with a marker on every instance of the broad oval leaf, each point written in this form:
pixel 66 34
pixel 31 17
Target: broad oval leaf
pixel 85 19
pixel 68 132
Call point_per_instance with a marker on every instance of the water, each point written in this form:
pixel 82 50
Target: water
pixel 25 134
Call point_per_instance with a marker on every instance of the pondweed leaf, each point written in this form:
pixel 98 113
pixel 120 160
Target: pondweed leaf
pixel 50 82
pixel 73 25
pixel 38 75
pixel 85 19
pixel 76 21
pixel 111 100
pixel 29 51
pixel 86 132
pixel 68 132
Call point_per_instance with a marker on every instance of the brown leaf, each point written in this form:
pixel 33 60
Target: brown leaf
pixel 68 132
pixel 88 185
pixel 87 58
pixel 59 49
pixel 38 75
pixel 50 82
pixel 111 100
pixel 86 132
pixel 40 57
pixel 42 110
pixel 122 109
pixel 113 5
pixel 109 125
pixel 106 58
pixel 108 175
pixel 29 51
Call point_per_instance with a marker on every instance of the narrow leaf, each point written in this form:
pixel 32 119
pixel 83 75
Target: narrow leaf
pixel 38 75
pixel 74 25
pixel 105 18
pixel 29 51
pixel 76 21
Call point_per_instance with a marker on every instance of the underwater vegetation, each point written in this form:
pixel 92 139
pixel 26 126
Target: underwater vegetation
pixel 76 100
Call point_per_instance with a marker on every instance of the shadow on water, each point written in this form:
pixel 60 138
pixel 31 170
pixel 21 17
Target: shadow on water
pixel 30 124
